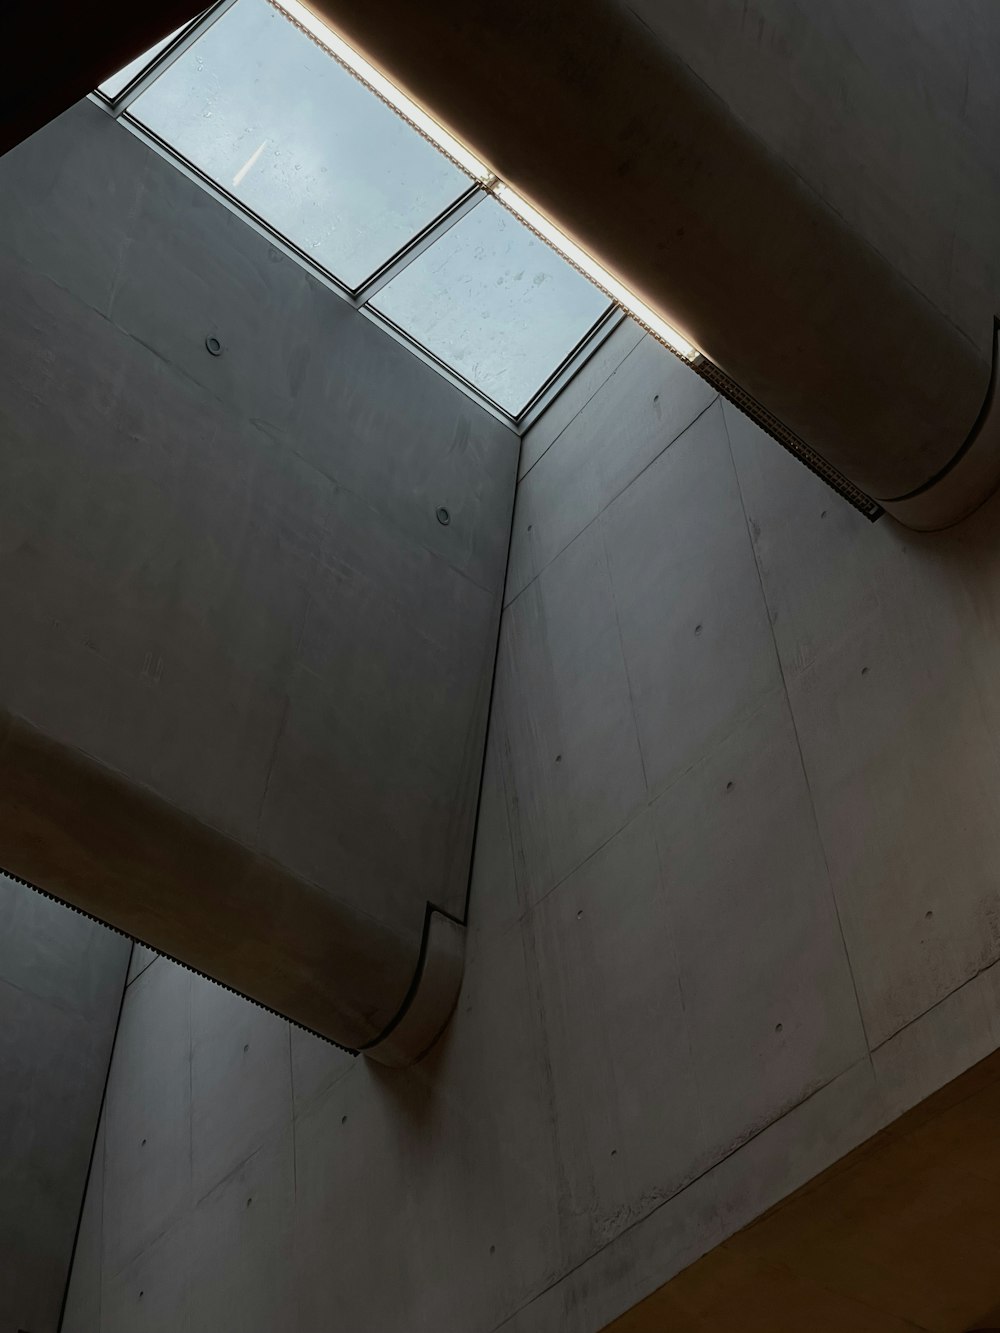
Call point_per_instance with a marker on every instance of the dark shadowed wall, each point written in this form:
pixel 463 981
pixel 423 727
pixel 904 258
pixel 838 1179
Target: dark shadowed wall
pixel 245 671
pixel 61 984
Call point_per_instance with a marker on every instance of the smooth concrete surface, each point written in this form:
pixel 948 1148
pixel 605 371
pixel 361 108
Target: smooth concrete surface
pixel 61 983
pixel 902 1235
pixel 808 192
pixel 734 910
pixel 245 671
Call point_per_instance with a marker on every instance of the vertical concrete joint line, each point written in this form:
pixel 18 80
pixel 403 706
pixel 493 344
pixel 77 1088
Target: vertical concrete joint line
pixel 798 738
pixel 621 648
pixel 93 1147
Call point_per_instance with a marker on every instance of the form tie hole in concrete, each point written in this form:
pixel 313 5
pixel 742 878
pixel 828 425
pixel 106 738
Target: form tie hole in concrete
pixel 697 629
pixel 213 345
pixel 779 1027
pixel 656 397
pixel 558 758
pixel 141 1294
pixel 246 1048
pixel 823 514
pixel 442 515
pixel 142 1144
pixel 579 914
pixel 343 1119
pixel 614 1152
pixel 730 786
pixel 493 1249
pixel 250 1201
pixel 864 671
pixel 928 916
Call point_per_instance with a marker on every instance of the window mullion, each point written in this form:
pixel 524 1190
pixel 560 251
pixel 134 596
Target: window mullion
pixel 421 242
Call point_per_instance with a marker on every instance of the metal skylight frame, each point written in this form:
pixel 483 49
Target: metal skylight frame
pixel 477 192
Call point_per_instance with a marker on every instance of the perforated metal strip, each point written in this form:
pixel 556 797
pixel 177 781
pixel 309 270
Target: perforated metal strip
pixel 768 422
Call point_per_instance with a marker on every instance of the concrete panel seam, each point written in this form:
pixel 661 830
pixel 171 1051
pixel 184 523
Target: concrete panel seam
pixel 798 740
pixel 955 990
pixel 97 1132
pixel 646 805
pixel 624 656
pixel 610 500
pixel 681 1190
pixel 583 406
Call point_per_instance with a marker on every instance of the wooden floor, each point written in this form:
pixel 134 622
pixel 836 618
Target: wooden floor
pixel 901 1235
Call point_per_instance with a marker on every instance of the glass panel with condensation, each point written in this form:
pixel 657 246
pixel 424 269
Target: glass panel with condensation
pixel 120 81
pixel 495 303
pixel 267 114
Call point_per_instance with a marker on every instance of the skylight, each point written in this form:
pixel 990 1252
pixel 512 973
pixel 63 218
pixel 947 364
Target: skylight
pixel 261 101
pixel 290 133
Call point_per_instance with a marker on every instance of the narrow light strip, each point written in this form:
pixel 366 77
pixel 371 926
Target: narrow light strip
pixel 596 272
pixel 379 84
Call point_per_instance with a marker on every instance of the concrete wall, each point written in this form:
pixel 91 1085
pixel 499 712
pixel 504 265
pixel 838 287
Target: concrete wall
pixel 735 907
pixel 244 672
pixel 61 981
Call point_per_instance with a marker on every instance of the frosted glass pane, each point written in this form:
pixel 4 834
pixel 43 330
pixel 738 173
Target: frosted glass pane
pixel 495 303
pixel 272 118
pixel 120 81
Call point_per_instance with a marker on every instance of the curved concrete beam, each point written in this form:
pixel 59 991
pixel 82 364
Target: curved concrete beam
pixel 431 1000
pixel 966 480
pixel 99 842
pixel 118 853
pixel 592 115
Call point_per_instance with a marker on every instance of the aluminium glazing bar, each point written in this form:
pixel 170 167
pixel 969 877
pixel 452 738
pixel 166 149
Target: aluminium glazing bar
pixel 423 240
pixel 570 366
pixel 183 42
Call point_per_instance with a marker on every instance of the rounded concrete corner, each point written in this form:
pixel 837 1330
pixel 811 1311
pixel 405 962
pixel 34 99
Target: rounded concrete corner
pixel 432 998
pixel 968 480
